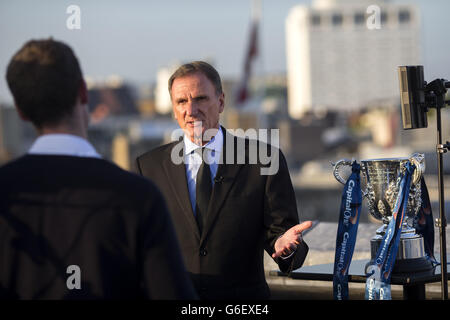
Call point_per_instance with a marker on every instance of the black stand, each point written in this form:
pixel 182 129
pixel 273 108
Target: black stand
pixel 438 88
pixel 414 292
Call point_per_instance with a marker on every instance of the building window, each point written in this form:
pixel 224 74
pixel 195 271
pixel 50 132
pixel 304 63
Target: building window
pixel 315 20
pixel 359 18
pixel 336 19
pixel 383 17
pixel 404 16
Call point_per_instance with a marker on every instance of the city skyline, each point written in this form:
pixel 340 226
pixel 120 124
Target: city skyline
pixel 135 40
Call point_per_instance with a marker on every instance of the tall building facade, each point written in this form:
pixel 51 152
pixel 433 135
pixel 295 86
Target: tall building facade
pixel 163 104
pixel 344 54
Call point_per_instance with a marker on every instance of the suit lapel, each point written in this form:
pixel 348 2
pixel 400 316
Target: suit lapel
pixel 176 174
pixel 224 180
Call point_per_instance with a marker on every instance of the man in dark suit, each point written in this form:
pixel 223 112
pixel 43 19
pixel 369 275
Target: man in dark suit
pixel 225 210
pixel 72 225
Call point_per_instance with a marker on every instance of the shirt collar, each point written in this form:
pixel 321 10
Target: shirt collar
pixel 216 143
pixel 63 144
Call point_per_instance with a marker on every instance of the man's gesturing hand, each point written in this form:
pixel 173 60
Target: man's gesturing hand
pixel 290 239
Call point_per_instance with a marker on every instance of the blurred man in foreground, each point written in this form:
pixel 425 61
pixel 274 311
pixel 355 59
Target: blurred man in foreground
pixel 72 225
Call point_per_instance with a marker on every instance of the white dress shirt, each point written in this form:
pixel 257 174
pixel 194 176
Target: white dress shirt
pixel 63 144
pixel 193 161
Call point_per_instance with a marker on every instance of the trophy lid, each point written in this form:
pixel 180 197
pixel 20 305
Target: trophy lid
pixel 386 159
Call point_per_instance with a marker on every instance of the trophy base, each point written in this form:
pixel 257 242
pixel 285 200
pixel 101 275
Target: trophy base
pixel 408 266
pixel 411 256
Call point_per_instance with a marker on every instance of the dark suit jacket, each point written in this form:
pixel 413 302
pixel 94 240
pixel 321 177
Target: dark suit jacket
pixel 58 211
pixel 247 213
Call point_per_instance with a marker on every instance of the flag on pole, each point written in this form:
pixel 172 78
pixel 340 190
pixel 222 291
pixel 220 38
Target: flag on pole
pixel 242 93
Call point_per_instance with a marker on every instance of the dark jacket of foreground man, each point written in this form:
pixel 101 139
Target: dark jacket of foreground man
pixel 63 211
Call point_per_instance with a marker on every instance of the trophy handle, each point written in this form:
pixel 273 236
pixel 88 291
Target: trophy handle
pixel 418 159
pixel 337 166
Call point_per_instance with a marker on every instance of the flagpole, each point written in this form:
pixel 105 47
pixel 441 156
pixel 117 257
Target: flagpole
pixel 242 92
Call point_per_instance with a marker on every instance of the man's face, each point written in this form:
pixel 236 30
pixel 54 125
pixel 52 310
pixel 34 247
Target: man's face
pixel 196 105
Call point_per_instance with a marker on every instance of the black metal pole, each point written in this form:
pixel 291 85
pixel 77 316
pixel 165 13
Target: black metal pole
pixel 442 219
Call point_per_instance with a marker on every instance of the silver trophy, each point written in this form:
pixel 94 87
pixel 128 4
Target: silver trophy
pixel 380 182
